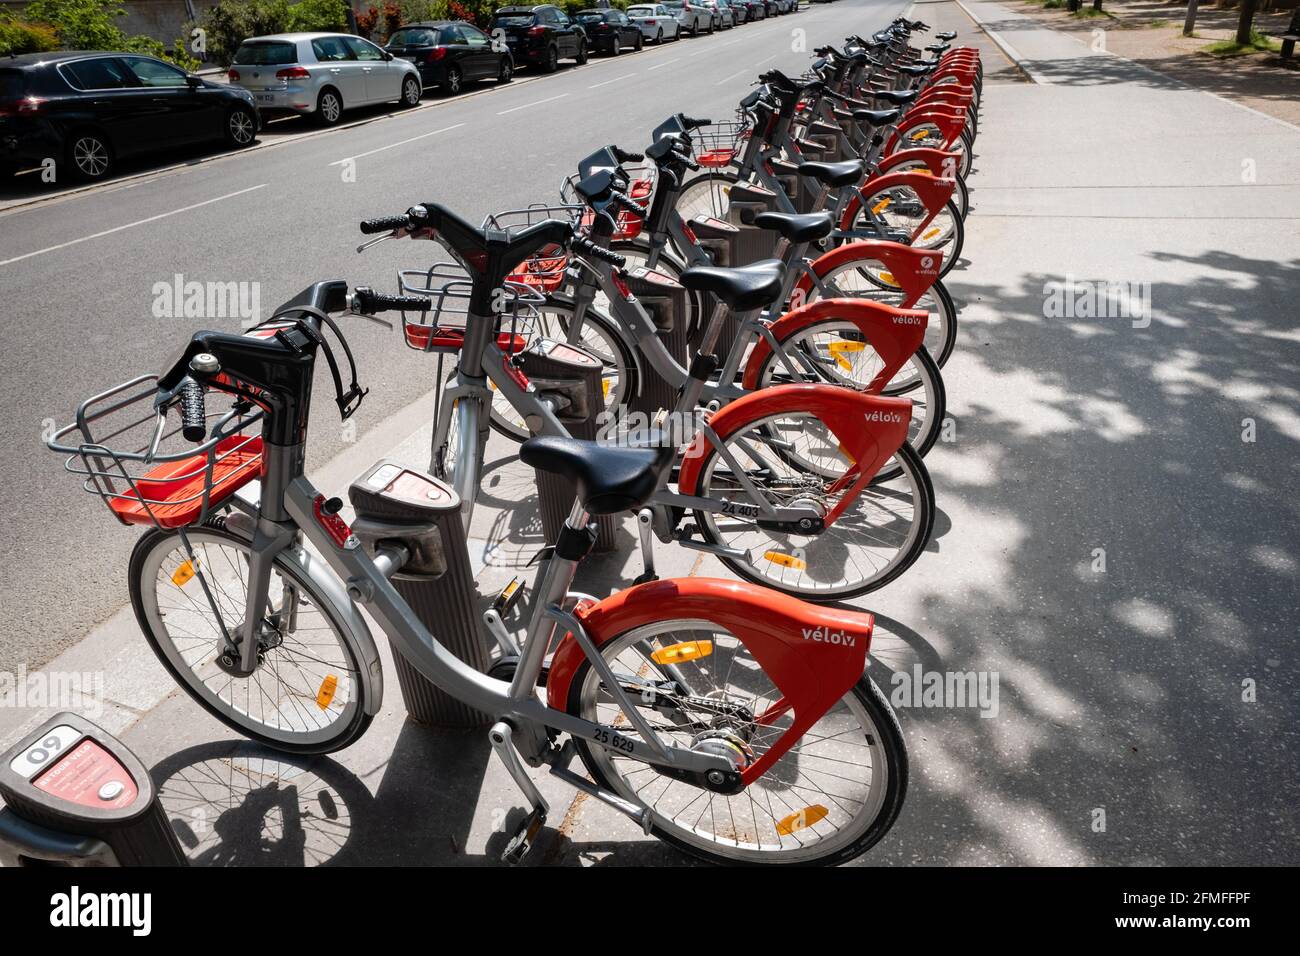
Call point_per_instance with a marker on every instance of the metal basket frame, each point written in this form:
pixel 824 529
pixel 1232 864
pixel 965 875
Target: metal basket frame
pixel 449 288
pixel 116 473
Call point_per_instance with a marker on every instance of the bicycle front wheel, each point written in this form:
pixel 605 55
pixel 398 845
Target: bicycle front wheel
pixel 305 695
pixel 829 799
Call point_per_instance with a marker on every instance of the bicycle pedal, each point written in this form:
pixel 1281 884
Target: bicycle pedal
pixel 507 597
pixel 525 834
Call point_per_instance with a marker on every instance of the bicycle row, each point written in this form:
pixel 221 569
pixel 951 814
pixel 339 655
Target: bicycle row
pixel 733 719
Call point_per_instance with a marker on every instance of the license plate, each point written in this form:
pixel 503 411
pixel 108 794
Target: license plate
pixel 264 97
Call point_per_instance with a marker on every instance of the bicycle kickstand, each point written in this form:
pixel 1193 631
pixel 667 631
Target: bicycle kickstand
pixel 502 742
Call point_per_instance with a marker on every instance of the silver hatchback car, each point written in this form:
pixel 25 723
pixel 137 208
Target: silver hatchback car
pixel 322 74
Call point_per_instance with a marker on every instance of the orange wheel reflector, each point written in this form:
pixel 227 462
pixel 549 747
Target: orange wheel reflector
pixel 605 386
pixel 183 574
pixel 847 454
pixel 326 693
pixel 682 652
pixel 881 206
pixel 801 820
pixel 930 233
pixel 888 279
pixel 785 560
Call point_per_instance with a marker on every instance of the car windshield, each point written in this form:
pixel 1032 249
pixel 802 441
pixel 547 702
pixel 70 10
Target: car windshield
pixel 413 37
pixel 673 6
pixel 265 54
pixel 589 16
pixel 640 11
pixel 513 20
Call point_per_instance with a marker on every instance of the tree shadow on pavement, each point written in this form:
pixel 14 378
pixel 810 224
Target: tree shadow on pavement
pixel 1136 595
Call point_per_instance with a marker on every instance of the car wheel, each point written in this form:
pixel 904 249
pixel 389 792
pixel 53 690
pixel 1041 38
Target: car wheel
pixel 454 81
pixel 614 47
pixel 241 127
pixel 551 62
pixel 411 91
pixel 89 156
pixel 329 107
pixel 507 71
pixel 640 42
pixel 581 58
pixel 659 36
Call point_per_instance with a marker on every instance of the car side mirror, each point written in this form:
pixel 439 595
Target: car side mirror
pixel 192 81
pixel 387 55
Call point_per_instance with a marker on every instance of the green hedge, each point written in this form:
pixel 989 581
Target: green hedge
pixel 20 36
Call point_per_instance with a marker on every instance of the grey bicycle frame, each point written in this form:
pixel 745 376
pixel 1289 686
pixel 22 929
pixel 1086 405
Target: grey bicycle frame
pixel 366 580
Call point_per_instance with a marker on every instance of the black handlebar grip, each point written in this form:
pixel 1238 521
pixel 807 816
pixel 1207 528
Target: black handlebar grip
pixel 384 224
pixel 587 247
pixel 194 416
pixel 371 302
pixel 691 123
pixel 623 156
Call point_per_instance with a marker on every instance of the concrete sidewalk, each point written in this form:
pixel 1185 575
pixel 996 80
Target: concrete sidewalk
pixel 1108 546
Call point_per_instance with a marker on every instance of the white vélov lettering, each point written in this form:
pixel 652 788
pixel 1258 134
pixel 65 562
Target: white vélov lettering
pixel 823 635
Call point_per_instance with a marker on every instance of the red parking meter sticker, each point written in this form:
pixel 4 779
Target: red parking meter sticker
pixel 89 776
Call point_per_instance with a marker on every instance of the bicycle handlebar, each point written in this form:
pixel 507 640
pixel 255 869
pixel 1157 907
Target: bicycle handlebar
pixel 623 156
pixel 691 123
pixel 194 416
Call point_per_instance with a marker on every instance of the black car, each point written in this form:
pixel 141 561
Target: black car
pixel 450 53
pixel 609 30
pixel 86 110
pixel 540 36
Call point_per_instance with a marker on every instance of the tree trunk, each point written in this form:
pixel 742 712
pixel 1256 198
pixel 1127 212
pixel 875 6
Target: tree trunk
pixel 1245 22
pixel 1189 25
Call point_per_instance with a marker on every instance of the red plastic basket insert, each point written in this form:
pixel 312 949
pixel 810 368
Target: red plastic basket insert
pixel 173 492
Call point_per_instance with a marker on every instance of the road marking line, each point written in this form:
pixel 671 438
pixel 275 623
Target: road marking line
pixel 665 63
pixel 728 79
pixel 768 60
pixel 607 82
pixel 138 222
pixel 403 142
pixel 549 99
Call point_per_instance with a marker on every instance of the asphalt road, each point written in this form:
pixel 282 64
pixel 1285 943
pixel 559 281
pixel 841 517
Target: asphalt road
pixel 78 272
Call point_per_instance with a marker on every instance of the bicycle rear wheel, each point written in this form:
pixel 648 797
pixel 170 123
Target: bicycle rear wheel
pixel 306 694
pixel 835 351
pixel 794 460
pixel 827 800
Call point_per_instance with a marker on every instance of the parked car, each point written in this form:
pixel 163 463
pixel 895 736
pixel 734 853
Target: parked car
pixel 451 53
pixel 540 36
pixel 692 17
pixel 656 22
pixel 322 74
pixel 609 30
pixel 722 16
pixel 757 9
pixel 738 12
pixel 86 110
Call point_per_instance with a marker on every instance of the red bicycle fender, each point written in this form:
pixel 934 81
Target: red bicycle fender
pixel 869 428
pixel 915 270
pixel 939 161
pixel 895 334
pixel 814 655
pixel 933 191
